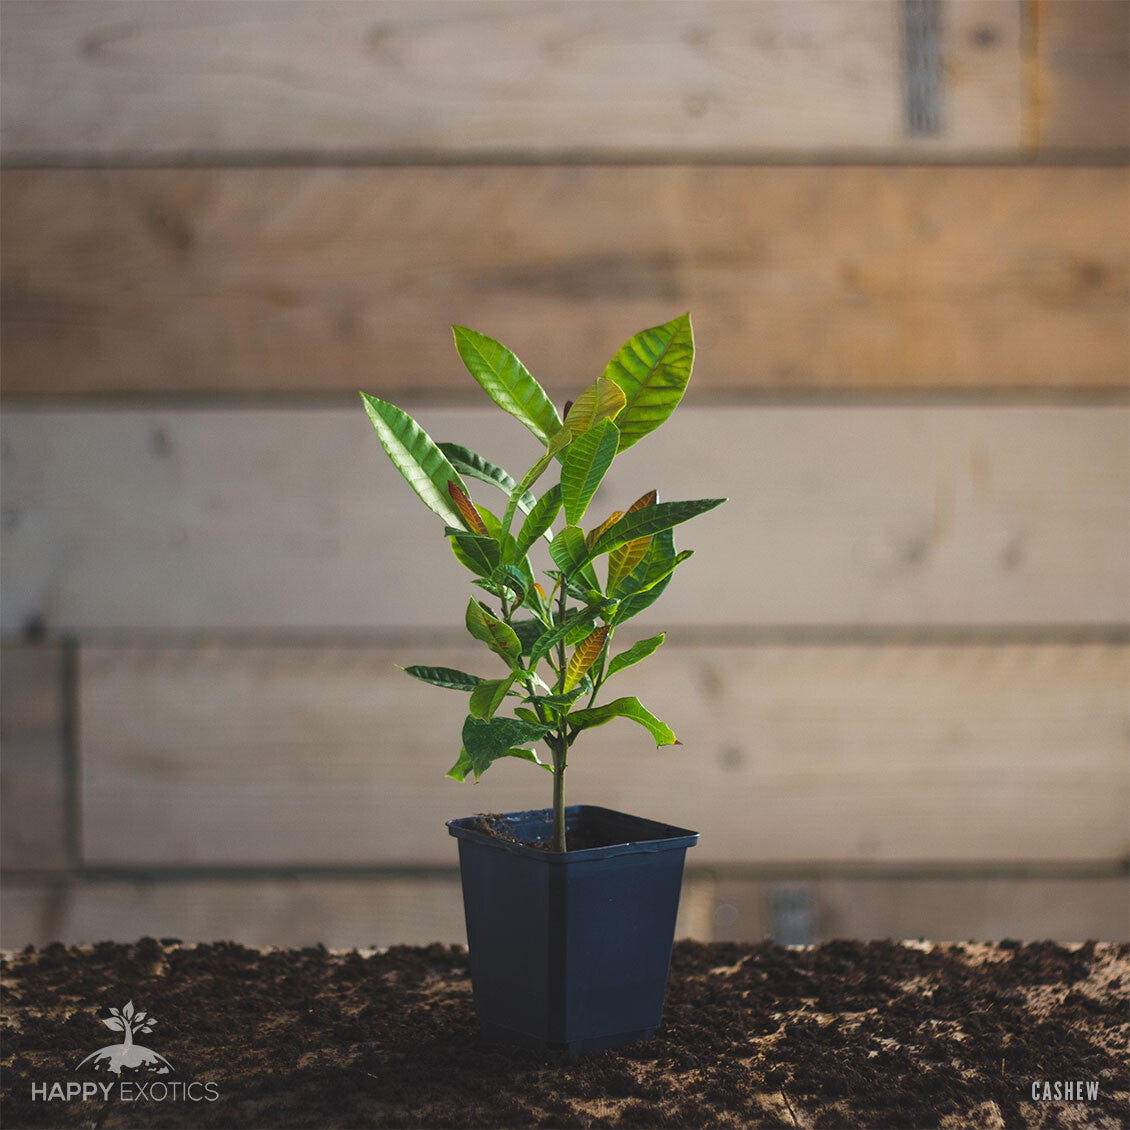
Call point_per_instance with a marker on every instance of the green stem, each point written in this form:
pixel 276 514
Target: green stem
pixel 559 801
pixel 561 752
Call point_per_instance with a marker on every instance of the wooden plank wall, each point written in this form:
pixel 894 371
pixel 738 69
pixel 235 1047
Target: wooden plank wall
pixel 898 663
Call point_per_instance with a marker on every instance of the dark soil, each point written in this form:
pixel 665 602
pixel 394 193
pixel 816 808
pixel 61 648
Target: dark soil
pixel 845 1034
pixel 578 839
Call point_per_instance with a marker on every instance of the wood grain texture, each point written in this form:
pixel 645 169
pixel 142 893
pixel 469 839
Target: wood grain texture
pixel 804 753
pixel 294 518
pixel 799 279
pixel 490 78
pixel 32 770
pixel 1083 74
pixel 348 913
pixel 340 913
pixel 956 909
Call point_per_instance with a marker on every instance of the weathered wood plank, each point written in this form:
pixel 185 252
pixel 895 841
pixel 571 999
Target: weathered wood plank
pixel 1084 74
pixel 953 909
pixel 225 280
pixel 32 771
pixel 920 753
pixel 294 518
pixel 346 913
pixel 457 78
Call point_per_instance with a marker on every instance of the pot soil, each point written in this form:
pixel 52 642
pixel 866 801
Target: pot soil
pixel 844 1034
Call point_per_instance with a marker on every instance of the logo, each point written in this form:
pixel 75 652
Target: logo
pixel 127 1054
pixel 133 1064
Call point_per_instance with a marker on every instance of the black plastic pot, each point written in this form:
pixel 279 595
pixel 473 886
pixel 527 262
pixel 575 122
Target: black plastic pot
pixel 571 950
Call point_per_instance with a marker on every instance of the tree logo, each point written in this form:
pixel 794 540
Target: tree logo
pixel 127 1054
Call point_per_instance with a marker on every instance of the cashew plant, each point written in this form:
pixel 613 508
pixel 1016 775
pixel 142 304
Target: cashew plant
pixel 553 636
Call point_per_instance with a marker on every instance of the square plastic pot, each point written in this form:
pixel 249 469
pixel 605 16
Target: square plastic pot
pixel 571 950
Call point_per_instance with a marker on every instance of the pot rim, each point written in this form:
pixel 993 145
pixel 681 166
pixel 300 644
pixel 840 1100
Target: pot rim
pixel 642 835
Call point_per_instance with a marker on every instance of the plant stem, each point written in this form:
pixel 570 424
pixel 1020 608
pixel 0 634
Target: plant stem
pixel 561 751
pixel 559 801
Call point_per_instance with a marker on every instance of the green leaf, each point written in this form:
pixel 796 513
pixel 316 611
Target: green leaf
pixel 478 553
pixel 507 382
pixel 650 520
pixel 549 640
pixel 514 579
pixel 499 637
pixel 444 677
pixel 487 741
pixel 487 697
pixel 539 520
pixel 560 701
pixel 528 633
pixel 568 550
pixel 652 370
pixel 586 463
pixel 624 708
pixel 474 466
pixel 416 457
pixel 602 400
pixel 459 771
pixel 634 654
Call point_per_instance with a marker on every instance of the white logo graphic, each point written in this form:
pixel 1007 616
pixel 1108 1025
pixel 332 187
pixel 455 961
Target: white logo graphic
pixel 127 1054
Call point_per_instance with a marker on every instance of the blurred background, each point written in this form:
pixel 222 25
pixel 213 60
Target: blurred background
pixel 898 661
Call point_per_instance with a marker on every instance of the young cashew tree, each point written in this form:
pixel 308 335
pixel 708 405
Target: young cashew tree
pixel 554 638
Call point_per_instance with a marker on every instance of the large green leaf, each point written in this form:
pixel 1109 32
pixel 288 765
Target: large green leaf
pixel 650 520
pixel 416 457
pixel 652 370
pixel 474 466
pixel 586 463
pixel 624 708
pixel 634 654
pixel 485 742
pixel 568 550
pixel 507 382
pixel 477 552
pixel 498 636
pixel 447 677
pixel 487 697
pixel 459 771
pixel 539 519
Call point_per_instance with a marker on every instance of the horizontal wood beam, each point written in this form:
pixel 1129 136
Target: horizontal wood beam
pixel 106 79
pixel 800 280
pixel 794 755
pixel 294 519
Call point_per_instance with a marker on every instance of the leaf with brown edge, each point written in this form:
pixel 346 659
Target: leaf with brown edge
pixel 625 558
pixel 592 535
pixel 467 509
pixel 602 400
pixel 585 655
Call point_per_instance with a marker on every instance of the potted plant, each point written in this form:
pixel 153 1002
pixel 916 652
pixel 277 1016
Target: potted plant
pixel 570 911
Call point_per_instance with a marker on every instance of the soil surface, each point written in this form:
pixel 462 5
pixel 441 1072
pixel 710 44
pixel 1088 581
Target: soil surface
pixel 844 1034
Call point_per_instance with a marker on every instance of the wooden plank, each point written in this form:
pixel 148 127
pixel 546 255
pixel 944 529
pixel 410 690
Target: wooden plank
pixel 225 280
pixel 347 913
pixel 32 772
pixel 1084 74
pixel 803 753
pixel 953 909
pixel 339 912
pixel 294 518
pixel 490 78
